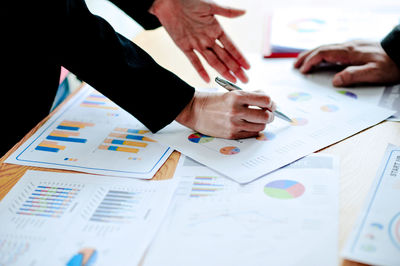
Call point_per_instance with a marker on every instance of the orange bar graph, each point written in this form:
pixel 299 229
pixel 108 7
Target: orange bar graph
pixel 128 130
pixel 68 123
pixel 129 136
pixel 116 148
pixel 51 144
pixel 60 133
pixel 126 142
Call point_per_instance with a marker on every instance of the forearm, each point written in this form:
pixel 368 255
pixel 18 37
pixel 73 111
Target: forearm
pixel 139 11
pixel 121 70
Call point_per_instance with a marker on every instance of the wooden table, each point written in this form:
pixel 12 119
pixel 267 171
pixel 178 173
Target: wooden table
pixel 360 154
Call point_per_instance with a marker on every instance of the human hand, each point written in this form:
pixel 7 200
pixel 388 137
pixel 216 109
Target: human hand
pixel 366 62
pixel 193 27
pixel 230 115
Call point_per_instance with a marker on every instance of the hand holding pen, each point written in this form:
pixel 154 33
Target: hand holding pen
pixel 230 87
pixel 233 115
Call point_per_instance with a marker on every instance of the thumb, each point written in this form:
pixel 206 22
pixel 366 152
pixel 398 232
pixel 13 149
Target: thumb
pixel 356 74
pixel 226 11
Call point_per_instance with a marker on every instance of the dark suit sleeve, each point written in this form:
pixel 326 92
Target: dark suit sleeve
pixel 119 69
pixel 138 10
pixel 391 45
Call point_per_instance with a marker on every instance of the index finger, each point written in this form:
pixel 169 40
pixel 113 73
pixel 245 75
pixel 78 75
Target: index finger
pixel 300 58
pixel 231 49
pixel 260 100
pixel 325 54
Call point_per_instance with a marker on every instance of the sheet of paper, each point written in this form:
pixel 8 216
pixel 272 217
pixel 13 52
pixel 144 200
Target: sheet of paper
pixel 322 116
pixel 307 28
pixel 383 96
pixel 92 134
pixel 289 217
pixel 376 237
pixel 391 99
pixel 59 218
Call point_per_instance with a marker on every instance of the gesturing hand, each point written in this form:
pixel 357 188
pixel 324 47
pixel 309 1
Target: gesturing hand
pixel 229 115
pixel 366 62
pixel 193 27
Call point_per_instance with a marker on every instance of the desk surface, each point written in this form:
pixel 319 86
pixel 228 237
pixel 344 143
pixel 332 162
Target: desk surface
pixel 360 154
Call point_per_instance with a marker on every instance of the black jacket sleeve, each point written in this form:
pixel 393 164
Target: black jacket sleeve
pixel 138 10
pixel 119 69
pixel 391 45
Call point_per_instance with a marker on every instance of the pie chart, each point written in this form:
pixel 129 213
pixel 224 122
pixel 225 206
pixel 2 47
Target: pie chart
pixel 394 230
pixel 329 108
pixel 298 121
pixel 199 138
pixel 284 189
pixel 348 93
pixel 299 96
pixel 264 136
pixel 230 150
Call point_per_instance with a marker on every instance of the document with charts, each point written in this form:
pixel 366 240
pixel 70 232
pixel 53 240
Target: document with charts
pixel 58 218
pixel 321 117
pixel 94 135
pixel 376 237
pixel 289 217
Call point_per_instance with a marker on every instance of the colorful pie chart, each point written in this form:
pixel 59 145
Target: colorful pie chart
pixel 329 108
pixel 299 96
pixel 199 138
pixel 348 93
pixel 298 121
pixel 394 230
pixel 264 136
pixel 229 150
pixel 284 189
pixel 307 25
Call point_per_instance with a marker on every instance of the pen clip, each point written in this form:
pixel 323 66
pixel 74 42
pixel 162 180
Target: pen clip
pixel 226 84
pixel 222 83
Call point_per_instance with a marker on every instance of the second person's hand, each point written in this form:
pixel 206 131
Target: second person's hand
pixel 193 27
pixel 364 62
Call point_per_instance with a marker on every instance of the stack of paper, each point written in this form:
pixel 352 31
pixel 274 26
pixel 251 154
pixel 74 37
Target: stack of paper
pixel 293 30
pixel 62 219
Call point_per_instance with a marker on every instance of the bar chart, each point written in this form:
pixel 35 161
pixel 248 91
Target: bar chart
pixel 66 131
pixel 117 207
pixel 98 100
pixel 205 186
pixel 86 136
pixel 126 140
pixel 48 201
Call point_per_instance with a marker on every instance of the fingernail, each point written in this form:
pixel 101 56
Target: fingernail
pixel 337 81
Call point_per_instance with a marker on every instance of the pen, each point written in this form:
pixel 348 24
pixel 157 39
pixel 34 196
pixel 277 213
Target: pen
pixel 230 87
